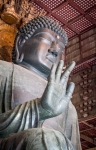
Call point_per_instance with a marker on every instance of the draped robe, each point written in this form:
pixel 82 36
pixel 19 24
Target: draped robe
pixel 19 89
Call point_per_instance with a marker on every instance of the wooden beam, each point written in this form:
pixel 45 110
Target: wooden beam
pixel 74 5
pixel 60 19
pixel 87 65
pixel 84 13
pixel 81 63
pixel 87 50
pixel 71 38
pixel 80 47
pixel 86 138
pixel 84 31
pixel 64 22
pixel 88 129
pixel 75 19
pixel 88 17
pixel 86 60
pixel 39 3
pixel 90 9
pixel 91 148
pixel 81 15
pixel 88 118
pixel 59 7
pixel 73 29
pixel 82 40
pixel 82 144
pixel 90 125
pixel 67 24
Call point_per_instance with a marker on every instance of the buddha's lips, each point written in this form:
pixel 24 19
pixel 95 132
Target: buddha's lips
pixel 51 58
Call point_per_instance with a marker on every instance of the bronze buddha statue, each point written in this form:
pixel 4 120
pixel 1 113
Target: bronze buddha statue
pixel 34 92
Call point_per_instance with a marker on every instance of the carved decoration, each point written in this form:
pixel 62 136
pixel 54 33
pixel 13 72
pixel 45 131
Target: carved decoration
pixel 8 13
pixel 7 36
pixel 14 14
pixel 18 12
pixel 87 95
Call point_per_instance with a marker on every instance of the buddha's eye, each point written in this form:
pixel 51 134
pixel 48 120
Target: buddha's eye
pixel 45 40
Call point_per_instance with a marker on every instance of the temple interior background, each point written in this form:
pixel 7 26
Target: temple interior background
pixel 78 18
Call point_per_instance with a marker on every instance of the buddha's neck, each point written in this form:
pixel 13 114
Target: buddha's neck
pixel 31 68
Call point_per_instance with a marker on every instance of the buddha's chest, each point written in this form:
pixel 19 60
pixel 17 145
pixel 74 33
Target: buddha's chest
pixel 27 86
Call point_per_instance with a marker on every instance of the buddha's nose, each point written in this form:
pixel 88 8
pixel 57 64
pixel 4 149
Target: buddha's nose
pixel 53 52
pixel 53 49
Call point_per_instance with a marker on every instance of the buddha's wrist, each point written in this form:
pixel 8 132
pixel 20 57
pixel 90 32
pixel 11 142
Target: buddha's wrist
pixel 43 113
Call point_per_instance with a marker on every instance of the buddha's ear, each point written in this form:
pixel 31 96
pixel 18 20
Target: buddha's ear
pixel 19 42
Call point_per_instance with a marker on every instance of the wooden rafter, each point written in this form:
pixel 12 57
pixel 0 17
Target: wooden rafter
pixel 80 47
pixel 82 14
pixel 39 3
pixel 80 65
pixel 64 22
pixel 89 125
pixel 69 23
pixel 86 138
pixel 74 5
pixel 91 8
pixel 88 17
pixel 87 65
pixel 85 146
pixel 87 119
pixel 59 7
pixel 80 10
pixel 87 29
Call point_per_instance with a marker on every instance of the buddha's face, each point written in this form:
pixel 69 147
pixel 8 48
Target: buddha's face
pixel 42 50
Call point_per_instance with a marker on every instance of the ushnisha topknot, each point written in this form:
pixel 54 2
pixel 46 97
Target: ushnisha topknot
pixel 39 22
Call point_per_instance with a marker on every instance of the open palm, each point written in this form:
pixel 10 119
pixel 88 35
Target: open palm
pixel 57 95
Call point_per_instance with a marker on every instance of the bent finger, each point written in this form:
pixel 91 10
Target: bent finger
pixel 70 90
pixel 67 72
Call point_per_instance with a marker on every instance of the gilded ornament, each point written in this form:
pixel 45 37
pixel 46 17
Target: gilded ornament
pixel 7 36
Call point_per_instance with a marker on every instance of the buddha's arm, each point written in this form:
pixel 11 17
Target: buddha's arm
pixel 54 101
pixel 21 118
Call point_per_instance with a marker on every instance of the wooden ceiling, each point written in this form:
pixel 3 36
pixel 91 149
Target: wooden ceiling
pixel 75 16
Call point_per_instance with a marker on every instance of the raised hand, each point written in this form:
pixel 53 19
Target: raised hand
pixel 57 94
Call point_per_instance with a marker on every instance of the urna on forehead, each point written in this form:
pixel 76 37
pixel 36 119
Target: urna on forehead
pixel 48 34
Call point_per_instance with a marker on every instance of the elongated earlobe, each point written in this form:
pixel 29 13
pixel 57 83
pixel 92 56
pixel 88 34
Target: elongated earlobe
pixel 18 46
pixel 20 59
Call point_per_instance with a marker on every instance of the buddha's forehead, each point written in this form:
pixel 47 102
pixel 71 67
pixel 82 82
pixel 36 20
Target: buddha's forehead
pixel 45 32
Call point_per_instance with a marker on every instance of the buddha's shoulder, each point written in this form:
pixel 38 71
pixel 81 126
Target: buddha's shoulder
pixel 4 63
pixel 5 66
pixel 8 66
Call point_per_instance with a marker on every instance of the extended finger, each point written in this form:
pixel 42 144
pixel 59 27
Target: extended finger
pixel 59 71
pixel 70 90
pixel 67 72
pixel 52 73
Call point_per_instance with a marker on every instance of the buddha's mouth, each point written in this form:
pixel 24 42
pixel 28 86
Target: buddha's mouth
pixel 51 58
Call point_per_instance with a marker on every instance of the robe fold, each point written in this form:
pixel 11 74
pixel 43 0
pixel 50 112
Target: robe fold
pixel 20 86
